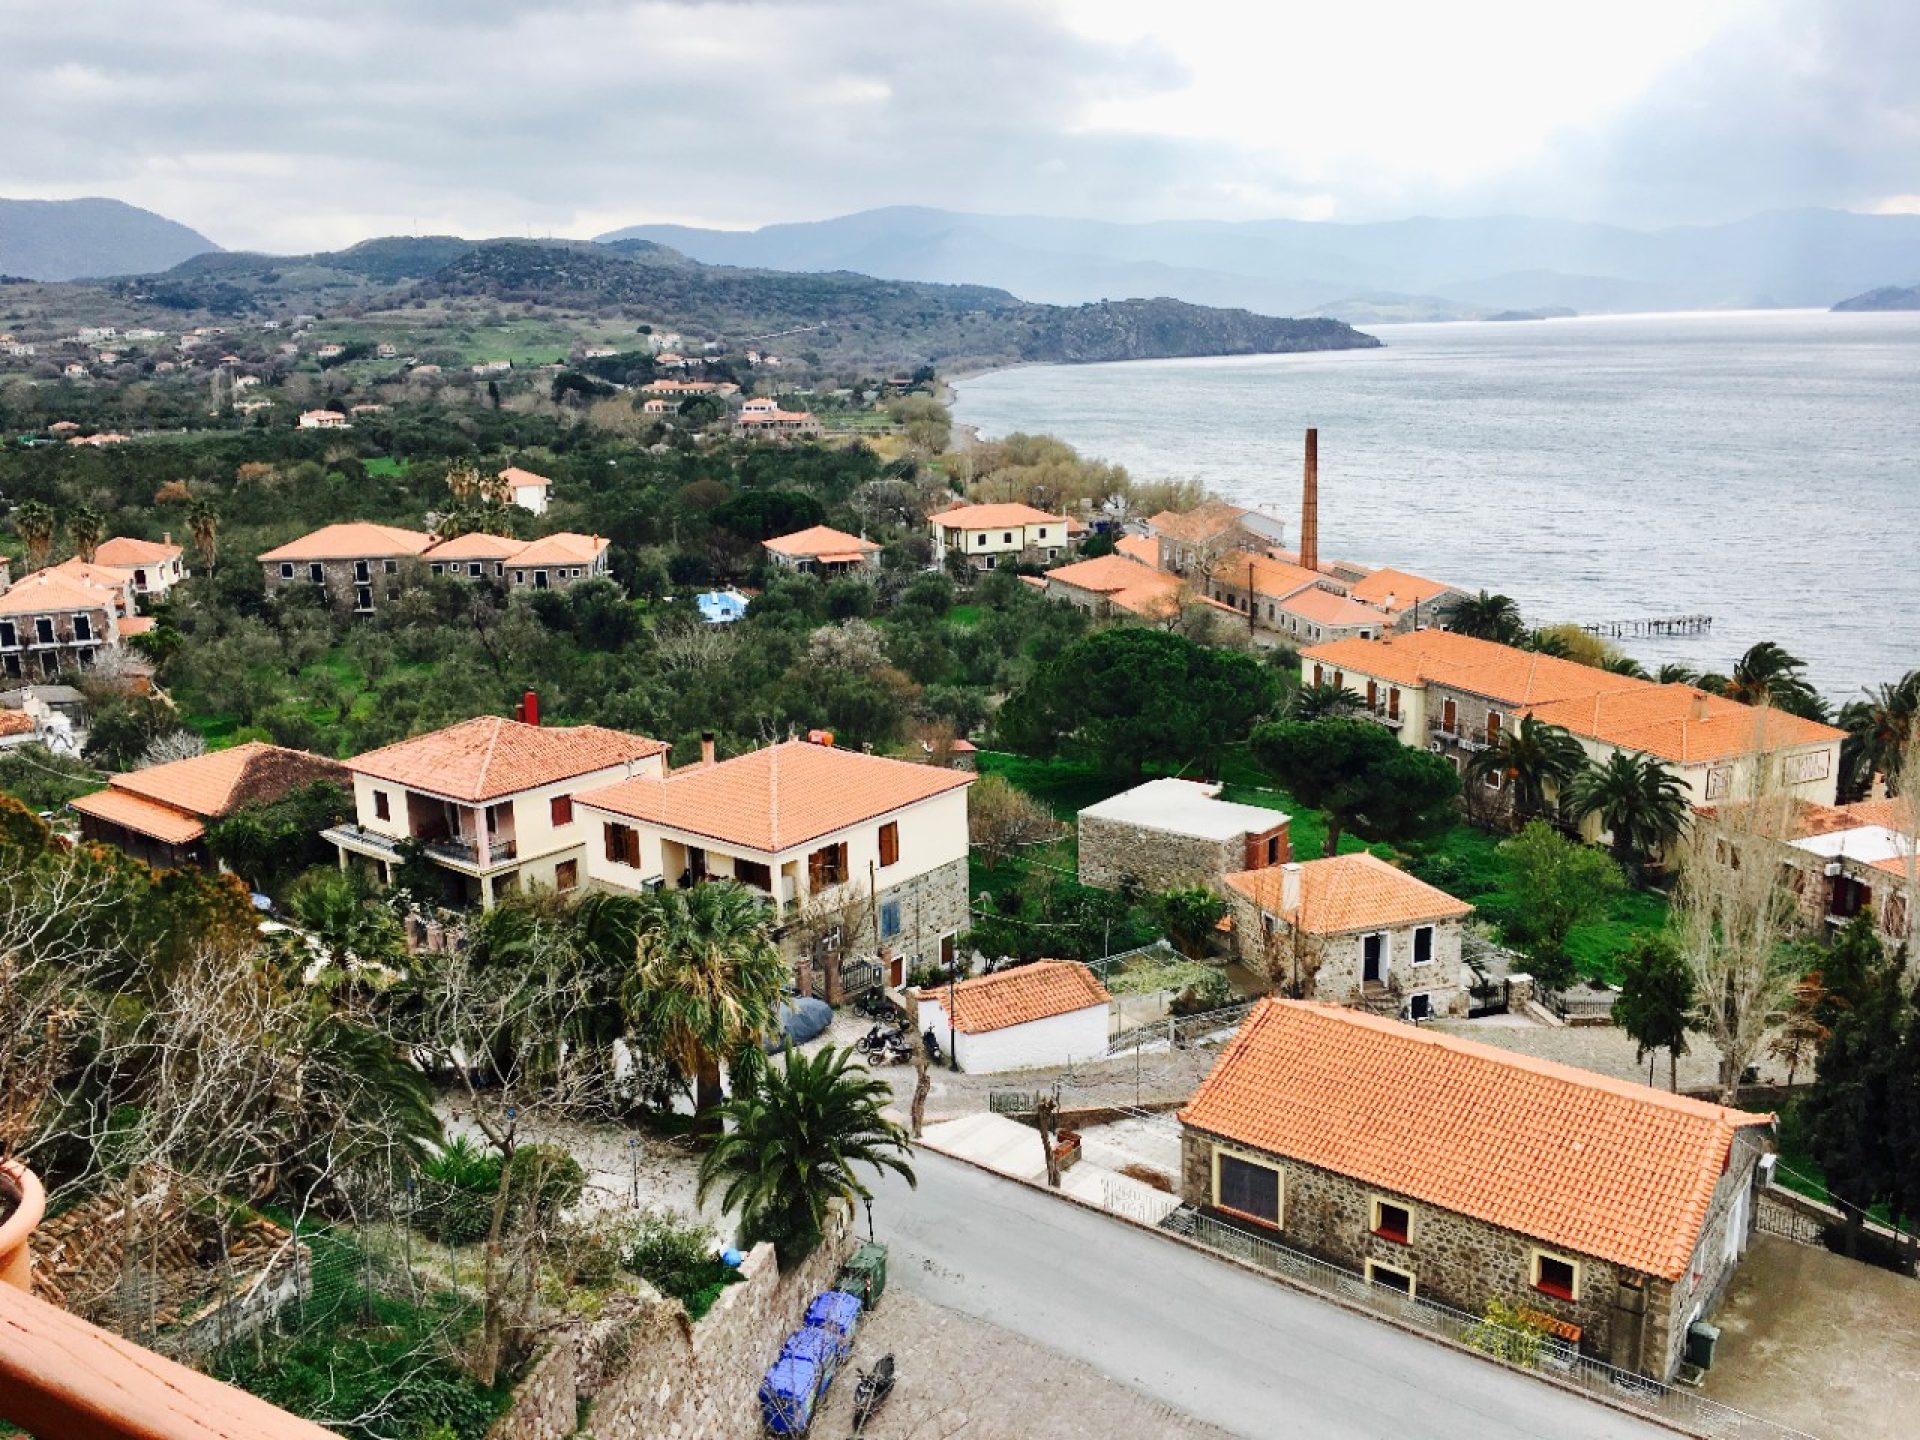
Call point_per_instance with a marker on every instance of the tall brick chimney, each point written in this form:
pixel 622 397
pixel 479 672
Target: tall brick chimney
pixel 1310 505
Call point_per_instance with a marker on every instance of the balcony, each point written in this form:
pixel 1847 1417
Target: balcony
pixel 1381 717
pixel 462 851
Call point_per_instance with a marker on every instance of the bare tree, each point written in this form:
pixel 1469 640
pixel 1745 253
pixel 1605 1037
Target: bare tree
pixel 1002 819
pixel 181 744
pixel 1047 1117
pixel 1289 957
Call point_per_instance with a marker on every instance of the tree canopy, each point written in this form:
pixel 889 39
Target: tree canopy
pixel 1360 774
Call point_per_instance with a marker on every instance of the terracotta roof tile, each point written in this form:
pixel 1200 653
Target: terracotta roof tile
pixel 1682 724
pixel 1343 893
pixel 489 756
pixel 1402 586
pixel 988 517
pixel 16 722
pixel 1481 667
pixel 562 548
pixel 355 540
pixel 223 781
pixel 1143 548
pixel 49 590
pixel 1025 993
pixel 524 479
pixel 123 551
pixel 142 816
pixel 475 545
pixel 1323 607
pixel 1583 1162
pixel 778 797
pixel 817 540
pixel 1275 579
pixel 1200 524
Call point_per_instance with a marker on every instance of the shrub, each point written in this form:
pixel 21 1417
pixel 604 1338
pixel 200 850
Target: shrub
pixel 675 1254
pixel 550 1175
pixel 456 1190
pixel 1208 992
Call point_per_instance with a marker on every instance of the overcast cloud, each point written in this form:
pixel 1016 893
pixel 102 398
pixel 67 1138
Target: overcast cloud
pixel 299 127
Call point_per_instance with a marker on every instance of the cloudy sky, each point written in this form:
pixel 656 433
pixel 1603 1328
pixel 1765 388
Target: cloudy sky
pixel 303 126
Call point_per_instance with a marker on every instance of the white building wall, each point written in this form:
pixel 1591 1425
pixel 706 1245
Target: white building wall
pixel 1076 1035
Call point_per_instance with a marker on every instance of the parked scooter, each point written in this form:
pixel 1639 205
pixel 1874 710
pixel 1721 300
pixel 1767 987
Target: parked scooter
pixel 876 1384
pixel 932 1042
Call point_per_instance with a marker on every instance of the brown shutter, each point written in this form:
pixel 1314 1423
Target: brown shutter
pixel 890 843
pixel 612 840
pixel 1255 853
pixel 562 809
pixel 632 838
pixel 840 860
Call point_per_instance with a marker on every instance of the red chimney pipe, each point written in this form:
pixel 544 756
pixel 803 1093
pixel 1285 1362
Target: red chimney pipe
pixel 530 707
pixel 1310 505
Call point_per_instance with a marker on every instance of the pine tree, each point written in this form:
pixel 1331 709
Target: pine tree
pixel 1656 1001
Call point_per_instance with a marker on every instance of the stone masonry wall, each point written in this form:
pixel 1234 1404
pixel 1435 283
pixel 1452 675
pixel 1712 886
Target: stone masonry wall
pixel 932 904
pixel 339 582
pixel 648 1373
pixel 1112 851
pixel 1338 980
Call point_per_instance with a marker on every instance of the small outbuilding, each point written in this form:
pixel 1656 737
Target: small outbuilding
pixel 1046 1013
pixel 1170 832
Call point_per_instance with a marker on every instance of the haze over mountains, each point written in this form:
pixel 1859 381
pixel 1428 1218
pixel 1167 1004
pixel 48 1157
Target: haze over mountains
pixel 1402 269
pixel 68 239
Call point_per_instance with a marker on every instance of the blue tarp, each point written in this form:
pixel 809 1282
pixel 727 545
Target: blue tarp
pixel 799 1020
pixel 787 1395
pixel 836 1313
pixel 721 607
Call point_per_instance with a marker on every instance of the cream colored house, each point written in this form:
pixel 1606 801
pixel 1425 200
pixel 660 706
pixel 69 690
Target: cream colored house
pixel 156 568
pixel 993 535
pixel 490 802
pixel 526 489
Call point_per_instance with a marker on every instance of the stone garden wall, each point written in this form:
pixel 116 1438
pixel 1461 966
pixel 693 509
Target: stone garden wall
pixel 1112 852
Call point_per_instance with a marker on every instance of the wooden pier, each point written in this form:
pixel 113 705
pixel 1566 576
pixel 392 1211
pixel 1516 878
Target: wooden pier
pixel 1655 625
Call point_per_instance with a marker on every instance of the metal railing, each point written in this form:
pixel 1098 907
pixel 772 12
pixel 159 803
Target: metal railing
pixel 1179 1031
pixel 1518 1350
pixel 1159 952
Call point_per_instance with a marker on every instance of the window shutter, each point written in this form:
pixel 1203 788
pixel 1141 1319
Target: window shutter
pixel 890 843
pixel 613 844
pixel 562 809
pixel 840 860
pixel 1255 854
pixel 632 838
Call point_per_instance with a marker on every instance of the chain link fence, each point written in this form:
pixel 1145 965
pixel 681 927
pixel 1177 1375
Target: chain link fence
pixel 1681 1409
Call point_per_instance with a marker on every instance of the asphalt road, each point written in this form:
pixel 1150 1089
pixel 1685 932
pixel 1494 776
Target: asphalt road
pixel 1228 1347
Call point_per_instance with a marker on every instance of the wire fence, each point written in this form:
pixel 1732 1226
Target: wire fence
pixel 1519 1350
pixel 1179 1031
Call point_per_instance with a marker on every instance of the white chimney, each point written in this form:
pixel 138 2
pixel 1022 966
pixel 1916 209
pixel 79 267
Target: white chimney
pixel 1289 887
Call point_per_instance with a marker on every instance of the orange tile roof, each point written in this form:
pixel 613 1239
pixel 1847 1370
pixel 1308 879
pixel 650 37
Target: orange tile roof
pixel 1579 1161
pixel 142 816
pixel 524 479
pixel 49 590
pixel 1403 587
pixel 1344 893
pixel 1684 725
pixel 124 550
pixel 990 517
pixel 1025 993
pixel 562 548
pixel 1143 548
pixel 16 722
pixel 1200 524
pixel 816 540
pixel 1481 667
pixel 490 756
pixel 107 577
pixel 475 545
pixel 223 781
pixel 1323 607
pixel 136 625
pixel 355 540
pixel 1275 579
pixel 1129 585
pixel 775 798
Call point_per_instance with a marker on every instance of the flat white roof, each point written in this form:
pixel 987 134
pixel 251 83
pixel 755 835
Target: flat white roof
pixel 1185 807
pixel 1866 843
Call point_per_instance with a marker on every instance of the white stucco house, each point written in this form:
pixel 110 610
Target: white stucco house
pixel 526 489
pixel 1045 1013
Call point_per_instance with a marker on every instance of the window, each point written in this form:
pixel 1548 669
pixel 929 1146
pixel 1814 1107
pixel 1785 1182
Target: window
pixel 317 573
pixel 560 809
pixel 82 627
pixel 1392 1222
pixel 43 631
pixel 393 592
pixel 889 919
pixel 1423 945
pixel 360 571
pixel 474 569
pixel 382 806
pixel 519 577
pixel 1007 538
pixel 1420 1007
pixel 623 845
pixel 499 570
pixel 438 568
pixel 1450 717
pixel 1393 702
pixel 1043 532
pixel 1273 850
pixel 890 843
pixel 286 569
pixel 1491 779
pixel 982 541
pixel 1246 1187
pixel 363 597
pixel 1390 1277
pixel 827 866
pixel 1556 1275
pixel 752 872
pixel 1319 676
pixel 393 567
pixel 9 636
pixel 1339 679
pixel 539 579
pixel 566 875
pixel 1493 726
pixel 1373 695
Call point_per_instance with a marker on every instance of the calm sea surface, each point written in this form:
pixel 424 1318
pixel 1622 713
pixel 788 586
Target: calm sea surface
pixel 1762 468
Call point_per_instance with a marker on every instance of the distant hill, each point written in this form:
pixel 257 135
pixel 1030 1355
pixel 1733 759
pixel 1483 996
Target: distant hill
pixel 1887 297
pixel 67 239
pixel 1417 267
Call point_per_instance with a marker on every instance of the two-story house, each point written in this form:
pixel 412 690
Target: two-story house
pixel 50 622
pixel 552 562
pixel 1353 930
pixel 526 489
pixel 490 802
pixel 1612 1214
pixel 993 535
pixel 356 565
pixel 821 550
pixel 830 836
pixel 156 567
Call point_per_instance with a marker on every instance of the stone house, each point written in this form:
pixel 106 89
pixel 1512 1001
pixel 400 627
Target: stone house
pixel 1049 1012
pixel 821 550
pixel 1169 833
pixel 358 566
pixel 54 620
pixel 490 801
pixel 1837 861
pixel 1353 930
pixel 160 814
pixel 1115 584
pixel 552 562
pixel 1188 542
pixel 1453 695
pixel 765 420
pixel 1459 1173
pixel 856 854
pixel 994 535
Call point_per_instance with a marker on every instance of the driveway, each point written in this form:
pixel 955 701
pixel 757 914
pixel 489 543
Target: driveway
pixel 1214 1342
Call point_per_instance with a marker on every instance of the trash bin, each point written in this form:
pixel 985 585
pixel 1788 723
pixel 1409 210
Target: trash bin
pixel 1701 1340
pixel 865 1274
pixel 835 1313
pixel 787 1395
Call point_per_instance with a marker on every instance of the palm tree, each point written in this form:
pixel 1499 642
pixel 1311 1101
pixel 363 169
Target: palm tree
pixel 1547 642
pixel 1672 674
pixel 204 521
pixel 36 522
pixel 1532 757
pixel 86 530
pixel 1625 665
pixel 797 1131
pixel 1641 803
pixel 1317 702
pixel 1877 729
pixel 1487 617
pixel 706 979
pixel 1768 675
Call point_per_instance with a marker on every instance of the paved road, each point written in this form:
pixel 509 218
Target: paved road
pixel 1227 1347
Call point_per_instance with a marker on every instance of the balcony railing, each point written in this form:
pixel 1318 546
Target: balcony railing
pixel 464 851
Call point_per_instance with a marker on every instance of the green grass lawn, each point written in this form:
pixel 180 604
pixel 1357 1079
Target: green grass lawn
pixel 384 466
pixel 1463 860
pixel 965 615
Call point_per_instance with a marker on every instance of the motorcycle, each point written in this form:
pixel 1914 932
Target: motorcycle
pixel 875 1385
pixel 932 1042
pixel 879 1041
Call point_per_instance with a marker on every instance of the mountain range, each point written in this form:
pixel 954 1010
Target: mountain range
pixel 68 239
pixel 1422 268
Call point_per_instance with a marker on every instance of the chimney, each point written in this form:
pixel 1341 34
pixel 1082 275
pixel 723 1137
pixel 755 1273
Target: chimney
pixel 1290 886
pixel 530 708
pixel 166 537
pixel 1698 709
pixel 706 747
pixel 1310 505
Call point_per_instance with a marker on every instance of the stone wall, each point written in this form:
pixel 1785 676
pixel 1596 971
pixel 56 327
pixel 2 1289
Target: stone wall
pixel 643 1371
pixel 932 904
pixel 1341 960
pixel 340 582
pixel 1112 852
